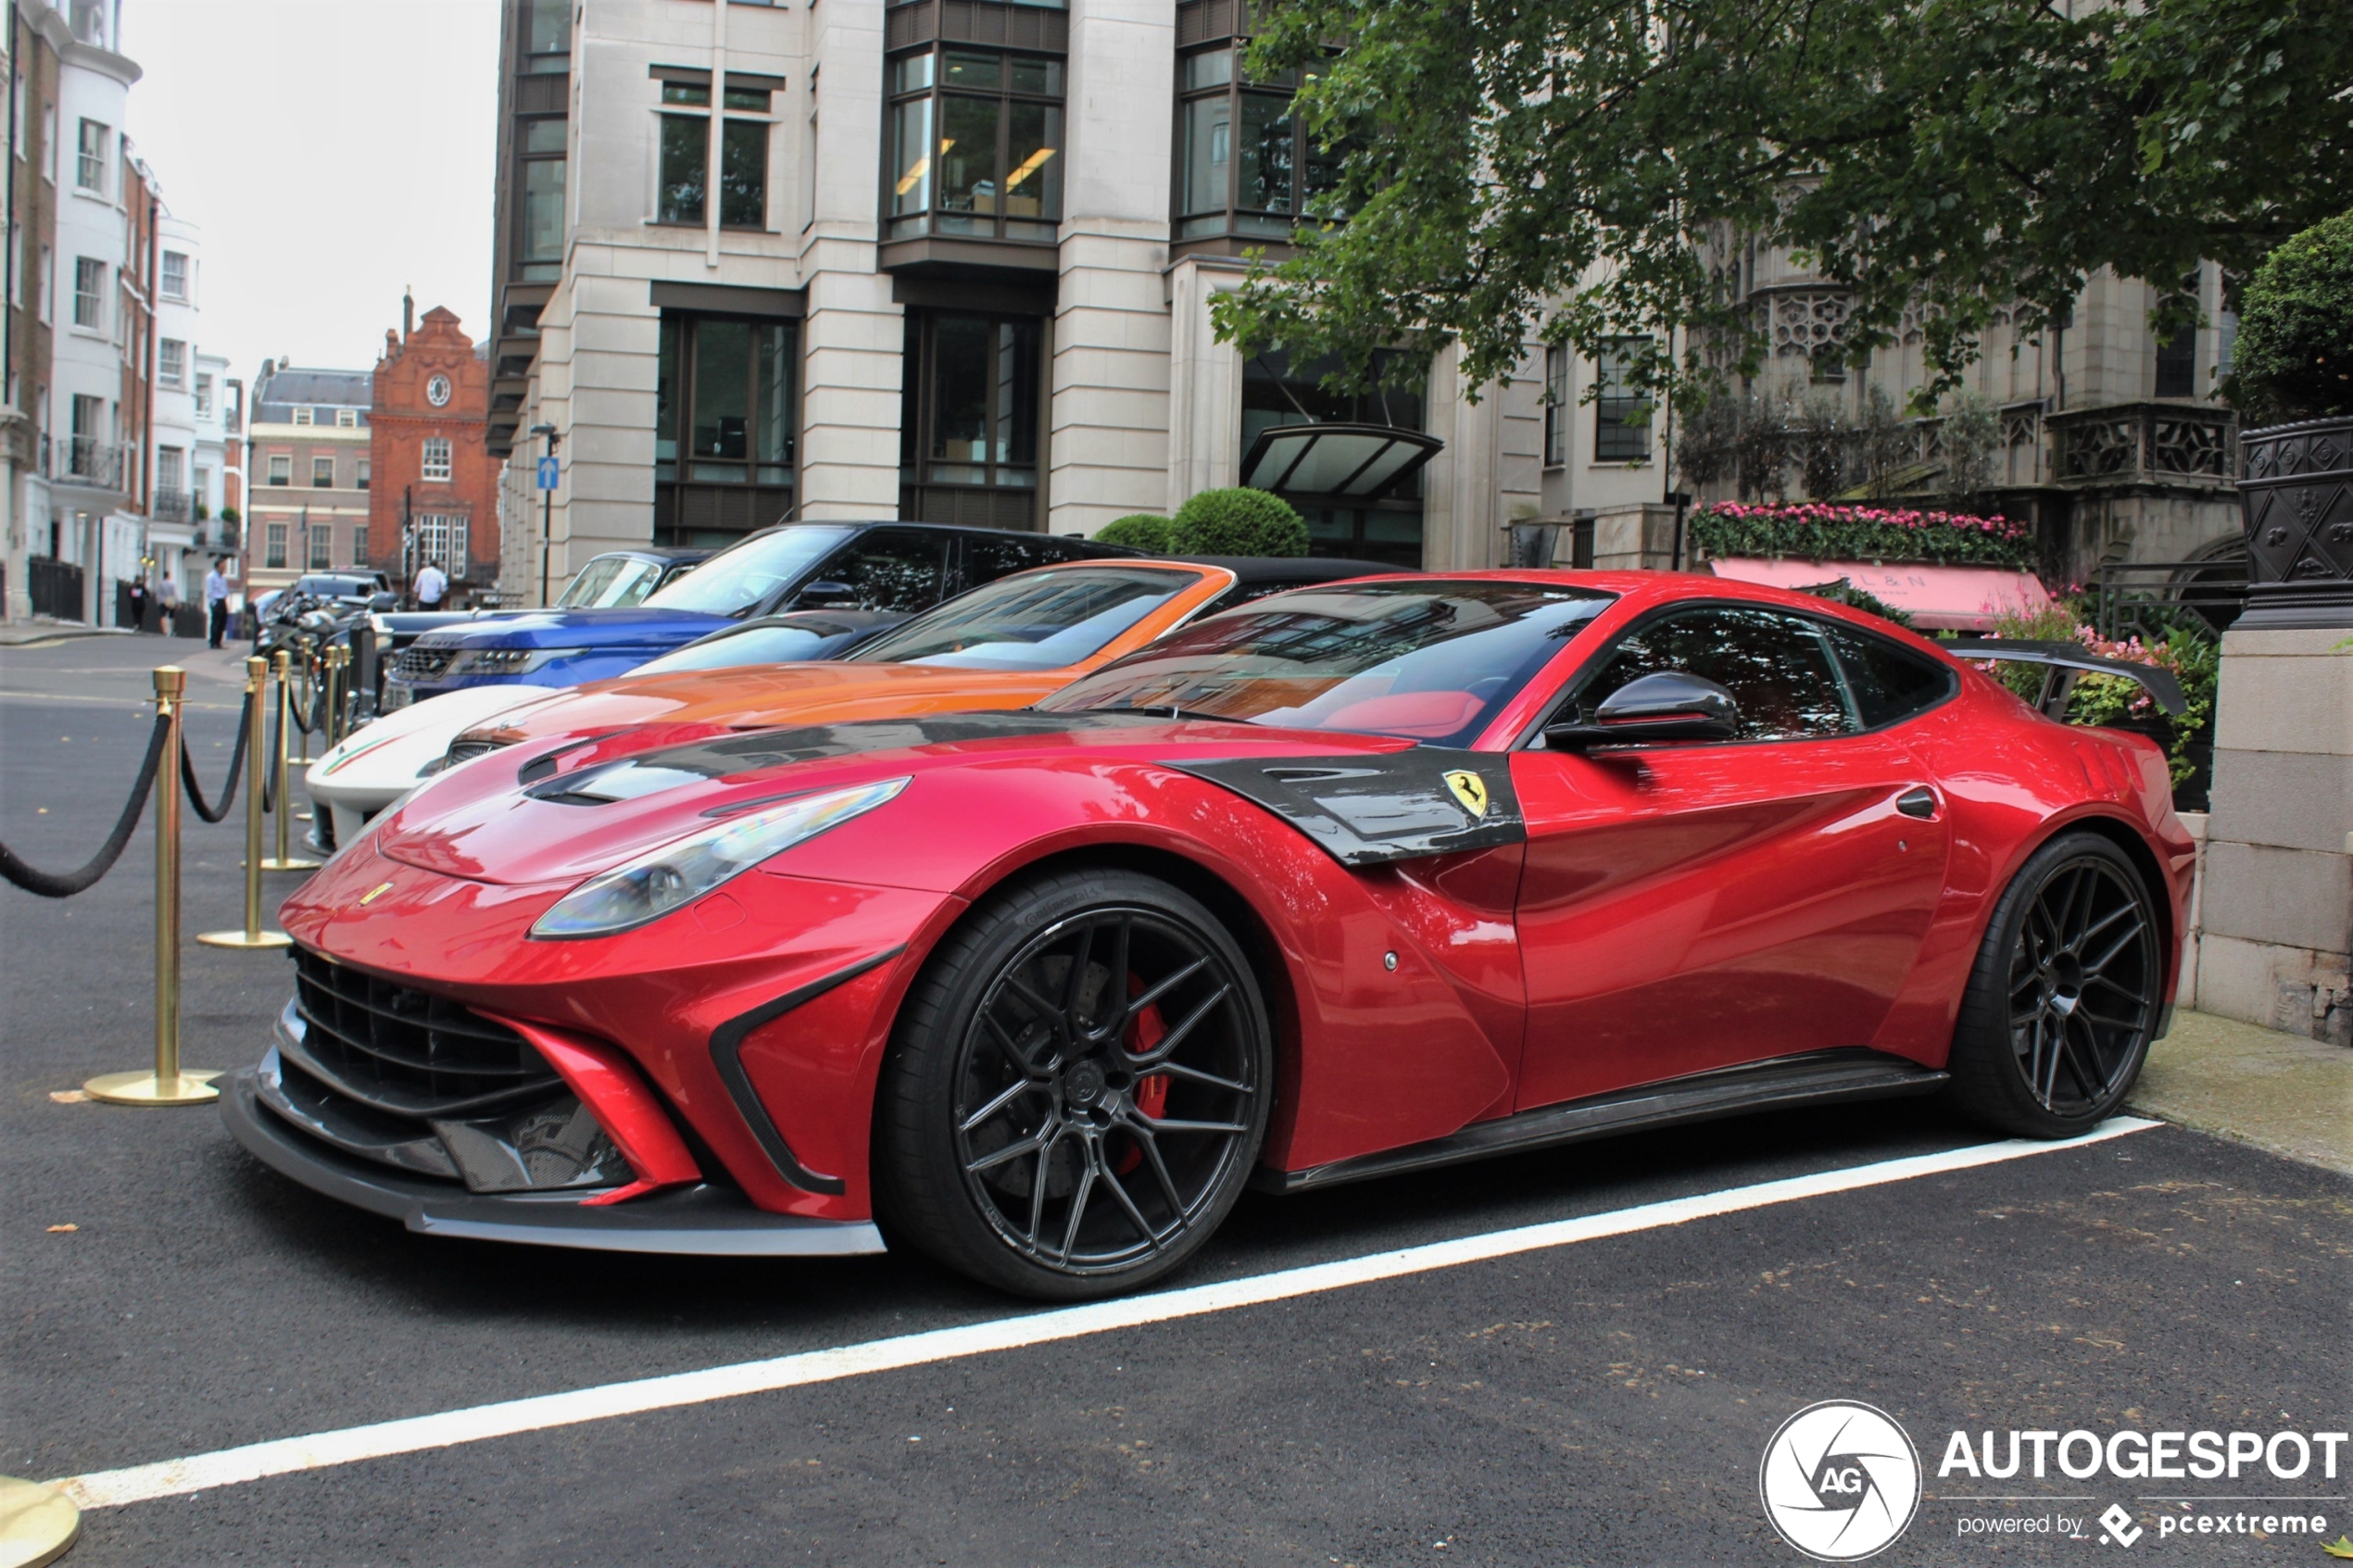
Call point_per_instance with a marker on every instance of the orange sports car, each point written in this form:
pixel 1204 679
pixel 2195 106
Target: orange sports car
pixel 1005 645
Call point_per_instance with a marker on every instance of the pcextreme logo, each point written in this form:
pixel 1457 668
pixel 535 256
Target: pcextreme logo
pixel 1841 1481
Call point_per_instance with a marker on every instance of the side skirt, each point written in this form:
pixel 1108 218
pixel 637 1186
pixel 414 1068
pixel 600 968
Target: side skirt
pixel 1813 1078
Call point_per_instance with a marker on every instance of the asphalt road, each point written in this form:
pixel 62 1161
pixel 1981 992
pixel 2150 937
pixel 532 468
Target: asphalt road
pixel 1605 1402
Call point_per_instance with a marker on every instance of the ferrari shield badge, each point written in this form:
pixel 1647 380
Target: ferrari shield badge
pixel 1470 789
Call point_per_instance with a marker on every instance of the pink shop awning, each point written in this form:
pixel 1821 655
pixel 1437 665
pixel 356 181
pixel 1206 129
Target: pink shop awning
pixel 1958 598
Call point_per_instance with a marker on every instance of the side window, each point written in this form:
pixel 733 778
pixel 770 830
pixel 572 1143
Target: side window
pixel 1776 666
pixel 888 570
pixel 989 557
pixel 1887 683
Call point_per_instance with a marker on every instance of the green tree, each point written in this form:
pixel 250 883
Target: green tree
pixel 1955 156
pixel 1138 530
pixel 2296 330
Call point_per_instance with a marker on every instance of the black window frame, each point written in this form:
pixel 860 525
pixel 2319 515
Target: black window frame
pixel 756 490
pixel 1188 225
pixel 1616 438
pixel 923 221
pixel 529 266
pixel 544 37
pixel 1558 404
pixel 919 425
pixel 746 105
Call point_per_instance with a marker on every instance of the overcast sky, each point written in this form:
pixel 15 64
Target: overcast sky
pixel 332 151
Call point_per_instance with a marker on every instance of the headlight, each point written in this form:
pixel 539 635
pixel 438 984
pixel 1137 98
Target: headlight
pixel 686 869
pixel 505 661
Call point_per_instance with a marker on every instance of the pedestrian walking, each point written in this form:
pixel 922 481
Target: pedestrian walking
pixel 138 596
pixel 431 585
pixel 168 598
pixel 216 604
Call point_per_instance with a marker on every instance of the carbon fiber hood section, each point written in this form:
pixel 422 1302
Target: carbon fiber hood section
pixel 1370 810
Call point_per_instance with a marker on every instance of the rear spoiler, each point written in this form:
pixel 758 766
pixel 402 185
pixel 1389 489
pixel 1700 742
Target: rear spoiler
pixel 2062 662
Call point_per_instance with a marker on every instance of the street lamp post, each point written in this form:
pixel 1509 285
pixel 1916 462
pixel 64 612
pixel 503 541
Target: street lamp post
pixel 546 510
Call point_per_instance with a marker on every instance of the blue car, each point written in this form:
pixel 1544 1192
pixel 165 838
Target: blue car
pixel 896 567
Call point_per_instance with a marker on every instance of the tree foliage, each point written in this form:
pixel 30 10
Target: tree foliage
pixel 1138 530
pixel 2295 328
pixel 1954 156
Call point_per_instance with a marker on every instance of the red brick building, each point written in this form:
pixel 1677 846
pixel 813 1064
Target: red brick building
pixel 434 491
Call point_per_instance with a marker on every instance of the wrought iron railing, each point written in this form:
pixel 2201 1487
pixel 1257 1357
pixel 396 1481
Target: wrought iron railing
pixel 2146 598
pixel 172 505
pixel 93 462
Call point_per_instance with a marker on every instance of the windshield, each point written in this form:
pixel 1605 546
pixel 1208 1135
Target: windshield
pixel 611 583
pixel 744 576
pixel 1430 660
pixel 753 644
pixel 1033 621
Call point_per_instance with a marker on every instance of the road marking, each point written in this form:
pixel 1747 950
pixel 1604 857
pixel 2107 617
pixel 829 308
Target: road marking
pixel 255 1462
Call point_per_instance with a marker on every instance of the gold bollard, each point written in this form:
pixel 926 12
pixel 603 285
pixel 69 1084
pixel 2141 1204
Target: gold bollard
pixel 167 1084
pixel 282 667
pixel 256 739
pixel 37 1523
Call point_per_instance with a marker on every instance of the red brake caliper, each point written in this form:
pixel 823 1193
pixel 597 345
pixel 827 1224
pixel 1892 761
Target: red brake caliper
pixel 1152 1092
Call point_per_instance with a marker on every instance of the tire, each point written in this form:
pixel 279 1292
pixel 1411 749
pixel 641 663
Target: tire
pixel 1038 1138
pixel 2065 994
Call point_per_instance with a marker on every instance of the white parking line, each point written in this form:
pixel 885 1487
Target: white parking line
pixel 112 1488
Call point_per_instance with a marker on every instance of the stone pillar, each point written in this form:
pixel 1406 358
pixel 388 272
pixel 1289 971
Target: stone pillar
pixel 2277 908
pixel 1636 538
pixel 1204 383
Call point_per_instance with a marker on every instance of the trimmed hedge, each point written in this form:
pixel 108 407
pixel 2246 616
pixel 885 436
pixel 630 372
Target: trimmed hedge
pixel 1238 521
pixel 1815 532
pixel 1138 530
pixel 2293 358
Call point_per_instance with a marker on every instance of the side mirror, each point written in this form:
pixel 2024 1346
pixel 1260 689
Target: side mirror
pixel 380 601
pixel 825 591
pixel 1666 705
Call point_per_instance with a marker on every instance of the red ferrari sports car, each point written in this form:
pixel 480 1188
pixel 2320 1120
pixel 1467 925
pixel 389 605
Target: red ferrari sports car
pixel 1354 881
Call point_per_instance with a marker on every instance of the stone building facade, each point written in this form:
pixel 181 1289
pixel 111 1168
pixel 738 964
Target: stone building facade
pixel 309 448
pixel 434 487
pixel 956 264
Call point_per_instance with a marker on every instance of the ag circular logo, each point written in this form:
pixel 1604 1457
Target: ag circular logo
pixel 1840 1481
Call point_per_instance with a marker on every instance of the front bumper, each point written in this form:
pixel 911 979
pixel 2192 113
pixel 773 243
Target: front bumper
pixel 703 1219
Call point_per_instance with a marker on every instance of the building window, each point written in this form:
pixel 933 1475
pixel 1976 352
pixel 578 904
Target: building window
pixel 1557 406
pixel 539 215
pixel 323 473
pixel 280 468
pixel 347 418
pixel 971 399
pixel 686 150
pixel 436 458
pixel 49 141
pixel 204 394
pixel 1621 415
pixel 443 538
pixel 306 415
pixel 273 550
pixel 974 145
pixel 359 544
pixel 322 545
pixel 726 401
pixel 168 468
pixel 546 37
pixel 1383 528
pixel 1244 165
pixel 89 292
pixel 171 360
pixel 45 282
pixel 175 275
pixel 362 481
pixel 90 170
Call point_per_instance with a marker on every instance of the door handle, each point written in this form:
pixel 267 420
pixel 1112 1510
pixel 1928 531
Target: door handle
pixel 1919 802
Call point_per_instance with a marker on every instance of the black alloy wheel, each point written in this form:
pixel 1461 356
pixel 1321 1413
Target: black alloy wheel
pixel 1079 1086
pixel 2066 995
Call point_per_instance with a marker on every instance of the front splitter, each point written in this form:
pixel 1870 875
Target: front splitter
pixel 706 1221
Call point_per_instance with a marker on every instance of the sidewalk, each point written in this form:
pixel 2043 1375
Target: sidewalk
pixel 2280 1092
pixel 25 634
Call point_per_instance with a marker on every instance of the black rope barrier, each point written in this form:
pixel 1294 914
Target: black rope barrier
pixel 266 775
pixel 48 886
pixel 236 764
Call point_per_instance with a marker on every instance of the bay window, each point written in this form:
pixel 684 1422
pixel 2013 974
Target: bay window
pixel 974 145
pixel 1245 165
pixel 539 214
